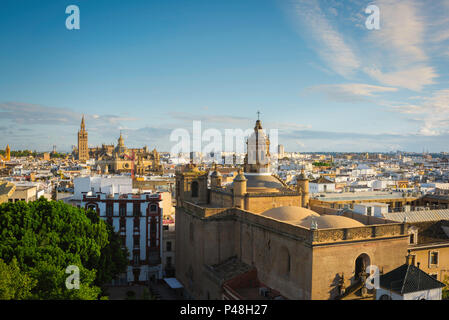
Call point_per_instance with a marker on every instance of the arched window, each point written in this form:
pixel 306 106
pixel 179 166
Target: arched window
pixel 361 263
pixel 195 189
pixel 93 207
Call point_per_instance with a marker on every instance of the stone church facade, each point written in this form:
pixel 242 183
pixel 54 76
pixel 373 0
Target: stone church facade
pixel 258 233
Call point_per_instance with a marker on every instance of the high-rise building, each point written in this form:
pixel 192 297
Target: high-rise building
pixel 281 151
pixel 83 150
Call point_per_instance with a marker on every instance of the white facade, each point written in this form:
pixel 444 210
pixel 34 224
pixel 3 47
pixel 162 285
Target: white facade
pixel 104 184
pixel 321 187
pixel 371 209
pixel 138 220
pixel 433 294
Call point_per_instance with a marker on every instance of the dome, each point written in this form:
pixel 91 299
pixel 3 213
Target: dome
pixel 289 213
pixel 330 222
pixel 263 181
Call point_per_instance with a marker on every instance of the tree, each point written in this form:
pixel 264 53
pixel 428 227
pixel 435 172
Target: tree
pixel 14 284
pixel 446 288
pixel 45 237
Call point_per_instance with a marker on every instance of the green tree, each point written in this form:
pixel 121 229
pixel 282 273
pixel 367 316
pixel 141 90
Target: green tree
pixel 45 237
pixel 446 289
pixel 14 284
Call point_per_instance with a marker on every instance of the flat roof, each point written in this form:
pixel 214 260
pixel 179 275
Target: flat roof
pixel 376 204
pixel 348 196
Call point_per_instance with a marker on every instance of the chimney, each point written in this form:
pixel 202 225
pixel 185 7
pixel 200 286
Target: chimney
pixel 409 259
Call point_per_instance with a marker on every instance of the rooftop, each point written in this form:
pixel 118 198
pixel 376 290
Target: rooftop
pixel 418 216
pixel 348 196
pixel 407 279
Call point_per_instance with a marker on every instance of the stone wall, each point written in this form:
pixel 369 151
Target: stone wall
pixel 331 261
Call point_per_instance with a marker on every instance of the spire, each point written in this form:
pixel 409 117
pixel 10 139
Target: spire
pixel 83 126
pixel 120 140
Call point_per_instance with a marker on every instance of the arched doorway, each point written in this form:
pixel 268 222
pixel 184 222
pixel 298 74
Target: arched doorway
pixel 361 263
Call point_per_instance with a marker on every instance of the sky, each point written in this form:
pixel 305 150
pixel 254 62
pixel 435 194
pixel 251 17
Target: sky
pixel 145 68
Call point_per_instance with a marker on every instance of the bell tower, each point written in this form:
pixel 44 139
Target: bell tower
pixel 257 159
pixel 8 153
pixel 83 150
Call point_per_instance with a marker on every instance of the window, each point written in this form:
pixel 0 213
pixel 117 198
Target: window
pixel 165 227
pixel 369 211
pixel 109 209
pixel 412 238
pixel 169 259
pixel 136 258
pixel 136 209
pixel 168 245
pixel 153 208
pixel 433 258
pixel 122 210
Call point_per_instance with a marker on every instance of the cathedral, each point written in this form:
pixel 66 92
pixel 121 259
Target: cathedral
pixel 256 237
pixel 119 158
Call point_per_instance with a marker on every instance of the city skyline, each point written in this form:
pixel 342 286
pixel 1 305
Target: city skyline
pixel 312 68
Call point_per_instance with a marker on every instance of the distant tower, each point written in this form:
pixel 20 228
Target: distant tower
pixel 257 159
pixel 83 150
pixel 239 190
pixel 281 151
pixel 8 153
pixel 215 178
pixel 302 185
pixel 120 144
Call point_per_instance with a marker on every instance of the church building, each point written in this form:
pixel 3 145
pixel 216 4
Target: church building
pixel 256 237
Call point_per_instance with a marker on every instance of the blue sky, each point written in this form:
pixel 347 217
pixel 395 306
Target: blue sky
pixel 312 68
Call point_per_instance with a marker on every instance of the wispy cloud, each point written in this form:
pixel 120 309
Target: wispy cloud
pixel 397 55
pixel 350 92
pixel 329 43
pixel 431 113
pixel 413 78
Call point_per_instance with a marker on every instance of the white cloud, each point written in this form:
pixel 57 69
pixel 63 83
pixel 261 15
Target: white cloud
pixel 333 49
pixel 402 30
pixel 413 78
pixel 350 92
pixel 432 113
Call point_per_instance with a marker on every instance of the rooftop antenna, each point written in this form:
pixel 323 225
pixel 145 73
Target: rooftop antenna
pixel 258 115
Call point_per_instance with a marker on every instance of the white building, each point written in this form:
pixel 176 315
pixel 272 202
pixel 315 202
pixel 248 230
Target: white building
pixel 408 282
pixel 321 185
pixel 137 217
pixel 105 184
pixel 374 209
